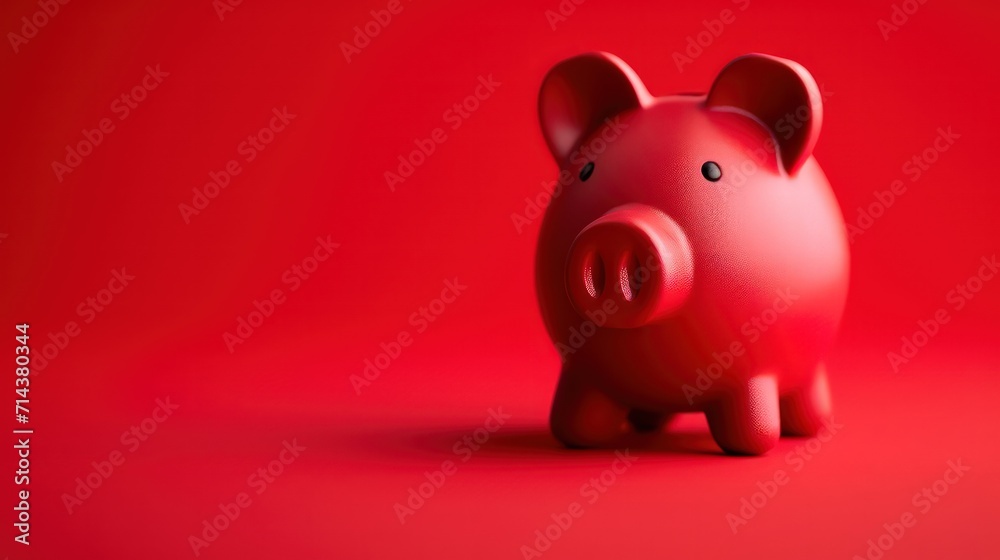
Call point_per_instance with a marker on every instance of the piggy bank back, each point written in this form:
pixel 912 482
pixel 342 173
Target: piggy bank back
pixel 693 257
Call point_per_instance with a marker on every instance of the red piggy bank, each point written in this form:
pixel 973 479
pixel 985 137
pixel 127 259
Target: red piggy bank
pixel 693 257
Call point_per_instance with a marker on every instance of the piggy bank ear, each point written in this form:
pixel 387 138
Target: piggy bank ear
pixel 578 94
pixel 778 93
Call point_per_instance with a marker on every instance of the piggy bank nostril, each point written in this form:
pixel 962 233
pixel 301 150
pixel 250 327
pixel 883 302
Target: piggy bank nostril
pixel 631 278
pixel 593 275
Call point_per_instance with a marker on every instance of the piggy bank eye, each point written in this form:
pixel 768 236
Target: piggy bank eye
pixel 587 171
pixel 711 171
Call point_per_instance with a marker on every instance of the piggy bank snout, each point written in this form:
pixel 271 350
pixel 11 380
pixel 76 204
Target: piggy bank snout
pixel 630 267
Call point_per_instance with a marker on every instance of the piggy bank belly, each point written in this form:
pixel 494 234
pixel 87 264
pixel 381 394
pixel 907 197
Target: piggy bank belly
pixel 770 282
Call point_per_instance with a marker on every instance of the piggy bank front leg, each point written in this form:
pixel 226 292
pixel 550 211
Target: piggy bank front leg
pixel 583 415
pixel 746 421
pixel 804 409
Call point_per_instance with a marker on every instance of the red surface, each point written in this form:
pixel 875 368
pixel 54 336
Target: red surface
pixel 323 175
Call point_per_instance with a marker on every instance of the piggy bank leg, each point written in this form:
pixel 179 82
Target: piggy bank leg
pixel 804 409
pixel 747 422
pixel 583 416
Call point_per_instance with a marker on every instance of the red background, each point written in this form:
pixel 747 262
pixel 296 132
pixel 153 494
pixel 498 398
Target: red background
pixel 162 336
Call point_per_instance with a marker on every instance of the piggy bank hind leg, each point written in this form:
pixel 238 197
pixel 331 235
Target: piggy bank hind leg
pixel 804 409
pixel 583 415
pixel 746 421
